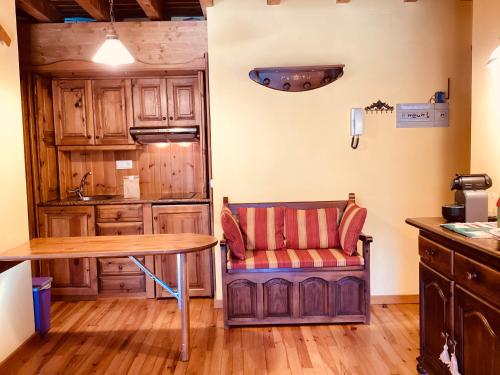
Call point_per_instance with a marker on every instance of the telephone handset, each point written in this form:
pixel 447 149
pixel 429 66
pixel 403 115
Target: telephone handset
pixel 356 126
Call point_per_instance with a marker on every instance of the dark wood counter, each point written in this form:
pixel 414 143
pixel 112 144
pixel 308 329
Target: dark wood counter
pixel 459 299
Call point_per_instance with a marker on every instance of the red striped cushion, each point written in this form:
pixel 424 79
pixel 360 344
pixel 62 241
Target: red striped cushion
pixel 289 258
pixel 316 228
pixel 351 225
pixel 232 233
pixel 262 227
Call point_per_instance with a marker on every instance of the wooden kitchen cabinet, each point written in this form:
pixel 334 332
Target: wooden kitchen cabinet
pixel 75 278
pixel 184 101
pixel 113 111
pixel 184 219
pixel 73 112
pixel 175 101
pixel 92 112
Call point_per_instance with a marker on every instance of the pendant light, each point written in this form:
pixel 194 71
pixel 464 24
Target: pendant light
pixel 112 51
pixel 494 60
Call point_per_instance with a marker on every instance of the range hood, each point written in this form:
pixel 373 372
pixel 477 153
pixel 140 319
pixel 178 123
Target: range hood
pixel 164 134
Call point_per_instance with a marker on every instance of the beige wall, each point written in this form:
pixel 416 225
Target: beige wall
pixel 485 149
pixel 16 307
pixel 276 146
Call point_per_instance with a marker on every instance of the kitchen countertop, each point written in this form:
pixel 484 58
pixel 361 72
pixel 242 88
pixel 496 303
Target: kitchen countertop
pixel 145 198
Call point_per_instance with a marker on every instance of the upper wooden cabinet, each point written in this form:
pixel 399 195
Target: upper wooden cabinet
pixel 175 101
pixel 73 113
pixel 112 102
pixel 92 112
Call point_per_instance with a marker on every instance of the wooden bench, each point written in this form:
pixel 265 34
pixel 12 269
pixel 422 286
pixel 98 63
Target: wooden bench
pixel 296 295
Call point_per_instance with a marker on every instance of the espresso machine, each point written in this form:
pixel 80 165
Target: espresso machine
pixel 471 199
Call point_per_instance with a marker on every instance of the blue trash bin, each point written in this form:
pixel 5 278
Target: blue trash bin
pixel 41 303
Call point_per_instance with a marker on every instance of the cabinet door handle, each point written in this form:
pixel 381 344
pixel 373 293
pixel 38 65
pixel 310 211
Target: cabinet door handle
pixel 171 118
pixel 164 118
pixel 430 252
pixel 471 275
pixel 89 136
pixel 120 267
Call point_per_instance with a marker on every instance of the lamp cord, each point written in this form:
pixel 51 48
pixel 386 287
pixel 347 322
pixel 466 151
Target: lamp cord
pixel 111 13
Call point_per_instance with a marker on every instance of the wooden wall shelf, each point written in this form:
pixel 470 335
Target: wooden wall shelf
pixel 296 79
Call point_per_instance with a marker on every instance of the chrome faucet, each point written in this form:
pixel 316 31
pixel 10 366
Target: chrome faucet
pixel 79 190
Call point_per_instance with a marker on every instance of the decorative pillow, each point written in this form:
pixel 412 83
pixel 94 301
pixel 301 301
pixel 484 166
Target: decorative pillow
pixel 316 228
pixel 262 227
pixel 232 233
pixel 351 225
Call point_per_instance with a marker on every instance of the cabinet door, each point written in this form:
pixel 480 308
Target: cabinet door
pixel 113 111
pixel 73 114
pixel 184 219
pixel 150 101
pixel 184 101
pixel 477 326
pixel 72 277
pixel 435 317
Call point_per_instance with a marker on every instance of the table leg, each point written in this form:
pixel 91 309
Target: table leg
pixel 183 290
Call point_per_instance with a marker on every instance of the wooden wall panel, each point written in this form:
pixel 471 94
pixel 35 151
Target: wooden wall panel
pixel 173 169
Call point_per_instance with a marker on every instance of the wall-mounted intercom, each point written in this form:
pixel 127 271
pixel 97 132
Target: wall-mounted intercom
pixel 356 126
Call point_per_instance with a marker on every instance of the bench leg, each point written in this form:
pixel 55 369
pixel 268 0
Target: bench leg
pixel 183 291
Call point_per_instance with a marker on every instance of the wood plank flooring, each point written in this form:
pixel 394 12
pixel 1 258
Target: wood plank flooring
pixel 138 336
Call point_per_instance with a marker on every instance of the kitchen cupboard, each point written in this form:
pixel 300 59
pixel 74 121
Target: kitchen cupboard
pixel 92 112
pixel 173 101
pixel 184 219
pixel 71 277
pixel 459 300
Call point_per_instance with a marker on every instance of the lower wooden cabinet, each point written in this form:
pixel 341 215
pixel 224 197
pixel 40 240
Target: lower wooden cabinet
pixel 184 219
pixel 76 278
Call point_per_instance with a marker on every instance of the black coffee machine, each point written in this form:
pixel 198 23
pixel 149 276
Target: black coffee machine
pixel 471 199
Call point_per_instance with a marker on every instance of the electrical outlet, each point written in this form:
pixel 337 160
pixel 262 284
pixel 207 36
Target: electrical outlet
pixel 124 164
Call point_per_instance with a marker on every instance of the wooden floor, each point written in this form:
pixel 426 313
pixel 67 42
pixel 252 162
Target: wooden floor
pixel 137 336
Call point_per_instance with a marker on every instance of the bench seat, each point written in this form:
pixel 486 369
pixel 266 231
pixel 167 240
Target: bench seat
pixel 284 259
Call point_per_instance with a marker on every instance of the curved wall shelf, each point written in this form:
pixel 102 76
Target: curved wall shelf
pixel 297 78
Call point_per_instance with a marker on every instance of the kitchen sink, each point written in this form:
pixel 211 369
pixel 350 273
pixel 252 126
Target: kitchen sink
pixel 97 198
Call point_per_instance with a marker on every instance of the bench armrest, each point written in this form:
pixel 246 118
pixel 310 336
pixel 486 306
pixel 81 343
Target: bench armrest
pixel 365 238
pixel 223 254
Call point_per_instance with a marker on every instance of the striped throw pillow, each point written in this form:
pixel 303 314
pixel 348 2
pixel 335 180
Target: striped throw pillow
pixel 262 227
pixel 232 233
pixel 316 228
pixel 351 225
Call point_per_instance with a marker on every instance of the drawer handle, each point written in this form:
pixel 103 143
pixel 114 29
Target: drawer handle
pixel 471 275
pixel 120 267
pixel 118 214
pixel 119 232
pixel 122 285
pixel 430 252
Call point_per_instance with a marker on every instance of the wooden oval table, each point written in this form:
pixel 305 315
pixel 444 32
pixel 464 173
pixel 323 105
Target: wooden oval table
pixel 120 246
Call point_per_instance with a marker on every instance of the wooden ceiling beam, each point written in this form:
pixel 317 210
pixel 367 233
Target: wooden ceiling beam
pixel 98 9
pixel 273 2
pixel 41 10
pixel 152 8
pixel 204 4
pixel 343 1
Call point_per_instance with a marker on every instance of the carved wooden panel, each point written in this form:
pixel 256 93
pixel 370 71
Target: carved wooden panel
pixel 73 112
pixel 314 297
pixel 349 296
pixel 113 111
pixel 150 101
pixel 277 298
pixel 242 299
pixel 435 313
pixel 184 101
pixel 476 330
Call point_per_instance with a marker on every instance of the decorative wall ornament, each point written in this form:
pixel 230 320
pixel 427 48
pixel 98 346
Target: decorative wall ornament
pixel 4 37
pixel 296 79
pixel 379 106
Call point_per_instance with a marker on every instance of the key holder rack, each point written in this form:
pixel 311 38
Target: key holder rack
pixel 379 106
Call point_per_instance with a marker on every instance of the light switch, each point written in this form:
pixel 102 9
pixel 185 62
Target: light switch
pixel 124 164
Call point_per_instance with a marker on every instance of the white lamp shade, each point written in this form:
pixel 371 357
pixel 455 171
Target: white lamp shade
pixel 494 60
pixel 113 52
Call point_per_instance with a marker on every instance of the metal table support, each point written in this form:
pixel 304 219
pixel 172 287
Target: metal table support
pixel 182 296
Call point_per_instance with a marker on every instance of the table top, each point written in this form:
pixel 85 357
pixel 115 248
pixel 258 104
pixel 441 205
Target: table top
pixel 432 224
pixel 108 246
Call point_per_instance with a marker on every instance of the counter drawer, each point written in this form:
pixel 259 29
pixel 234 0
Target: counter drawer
pixel 435 256
pixel 475 277
pixel 122 284
pixel 119 229
pixel 117 213
pixel 118 266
